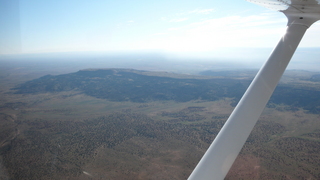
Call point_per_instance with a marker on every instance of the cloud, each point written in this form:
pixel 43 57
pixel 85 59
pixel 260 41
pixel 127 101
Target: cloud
pixel 173 29
pixel 312 38
pixel 159 34
pixel 187 15
pixel 232 31
pixel 201 11
pixel 178 20
pixel 197 11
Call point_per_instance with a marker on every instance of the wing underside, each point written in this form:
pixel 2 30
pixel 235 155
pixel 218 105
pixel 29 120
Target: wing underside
pixel 299 6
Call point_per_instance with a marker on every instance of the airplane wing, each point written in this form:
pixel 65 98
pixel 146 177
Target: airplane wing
pixel 300 6
pixel 221 154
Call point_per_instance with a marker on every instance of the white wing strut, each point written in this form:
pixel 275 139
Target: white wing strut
pixel 220 156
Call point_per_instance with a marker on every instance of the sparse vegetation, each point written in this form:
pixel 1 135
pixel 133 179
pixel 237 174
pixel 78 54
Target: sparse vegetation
pixel 124 124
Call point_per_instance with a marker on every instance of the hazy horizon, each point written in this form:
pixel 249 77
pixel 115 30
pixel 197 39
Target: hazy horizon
pixel 189 63
pixel 175 36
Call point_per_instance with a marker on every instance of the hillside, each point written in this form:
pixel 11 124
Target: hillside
pixel 139 86
pixel 129 85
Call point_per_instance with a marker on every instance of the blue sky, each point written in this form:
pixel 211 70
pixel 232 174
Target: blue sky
pixel 173 26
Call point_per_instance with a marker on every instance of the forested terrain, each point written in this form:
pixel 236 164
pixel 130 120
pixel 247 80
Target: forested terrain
pixel 126 85
pixel 129 124
pixel 315 77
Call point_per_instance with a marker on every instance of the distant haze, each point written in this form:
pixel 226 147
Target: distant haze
pixel 223 59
